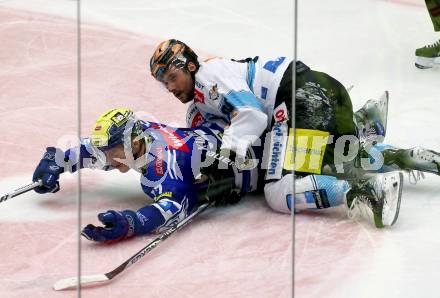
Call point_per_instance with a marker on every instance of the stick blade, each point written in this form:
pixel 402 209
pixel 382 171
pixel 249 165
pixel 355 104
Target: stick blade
pixel 72 282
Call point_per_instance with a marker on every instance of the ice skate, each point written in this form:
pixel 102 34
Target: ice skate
pixel 371 120
pixel 376 199
pixel 428 56
pixel 417 158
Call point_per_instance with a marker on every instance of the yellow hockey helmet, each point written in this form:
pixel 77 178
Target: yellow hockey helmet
pixel 112 126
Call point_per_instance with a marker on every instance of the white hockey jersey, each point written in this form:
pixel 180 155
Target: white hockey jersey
pixel 241 93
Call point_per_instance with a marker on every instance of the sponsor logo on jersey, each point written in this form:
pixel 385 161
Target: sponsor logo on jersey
pixel 173 215
pixel 130 220
pixel 224 159
pixel 141 218
pixel 240 164
pixel 201 143
pixel 264 92
pixel 321 198
pixel 158 162
pixel 280 113
pixel 273 64
pixel 197 120
pixel 246 164
pixel 169 209
pixel 213 93
pixel 198 96
pixel 49 156
pixel 167 194
pixel 98 127
pixel 192 110
pixel 277 149
pixel 54 167
pixel 173 140
pixel 199 85
pixel 167 205
pixel 289 201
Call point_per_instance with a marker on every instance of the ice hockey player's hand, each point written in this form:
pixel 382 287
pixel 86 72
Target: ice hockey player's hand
pixel 230 198
pixel 117 226
pixel 221 188
pixel 49 171
pixel 222 191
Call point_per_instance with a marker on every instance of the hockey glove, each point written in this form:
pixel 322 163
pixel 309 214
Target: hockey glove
pixel 48 170
pixel 221 183
pixel 117 226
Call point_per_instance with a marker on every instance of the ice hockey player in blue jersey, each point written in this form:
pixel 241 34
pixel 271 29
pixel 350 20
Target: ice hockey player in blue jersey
pixel 169 160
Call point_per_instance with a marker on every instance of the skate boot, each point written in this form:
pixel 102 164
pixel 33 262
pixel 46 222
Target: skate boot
pixel 428 56
pixel 417 158
pixel 376 199
pixel 371 120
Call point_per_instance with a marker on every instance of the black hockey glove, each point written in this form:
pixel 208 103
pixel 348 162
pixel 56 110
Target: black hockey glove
pixel 221 178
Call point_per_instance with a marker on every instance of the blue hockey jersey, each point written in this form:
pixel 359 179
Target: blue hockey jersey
pixel 174 156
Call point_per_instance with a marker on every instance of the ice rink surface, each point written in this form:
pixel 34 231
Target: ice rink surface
pixel 241 251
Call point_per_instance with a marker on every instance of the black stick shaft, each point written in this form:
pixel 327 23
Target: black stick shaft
pixel 20 191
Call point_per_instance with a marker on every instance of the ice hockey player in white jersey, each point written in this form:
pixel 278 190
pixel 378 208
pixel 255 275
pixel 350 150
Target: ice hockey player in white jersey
pixel 247 94
pixel 244 93
pixel 251 96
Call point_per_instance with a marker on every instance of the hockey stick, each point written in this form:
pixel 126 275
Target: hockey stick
pixel 72 282
pixel 20 191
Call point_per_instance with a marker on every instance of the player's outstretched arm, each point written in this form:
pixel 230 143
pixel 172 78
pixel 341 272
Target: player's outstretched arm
pixel 116 226
pixel 55 162
pixel 120 225
pixel 172 205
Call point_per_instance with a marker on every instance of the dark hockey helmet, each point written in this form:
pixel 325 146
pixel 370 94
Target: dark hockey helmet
pixel 171 52
pixel 114 127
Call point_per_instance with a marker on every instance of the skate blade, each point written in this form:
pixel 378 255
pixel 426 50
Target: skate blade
pixel 426 63
pixel 397 182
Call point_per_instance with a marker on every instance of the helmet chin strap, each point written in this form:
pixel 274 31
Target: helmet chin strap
pixel 143 157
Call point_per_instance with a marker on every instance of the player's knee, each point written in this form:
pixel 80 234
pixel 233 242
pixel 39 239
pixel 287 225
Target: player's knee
pixel 279 194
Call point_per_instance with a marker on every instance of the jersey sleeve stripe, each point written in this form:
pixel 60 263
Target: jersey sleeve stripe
pixel 244 99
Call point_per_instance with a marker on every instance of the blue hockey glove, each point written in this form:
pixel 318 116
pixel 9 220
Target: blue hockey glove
pixel 49 171
pixel 117 226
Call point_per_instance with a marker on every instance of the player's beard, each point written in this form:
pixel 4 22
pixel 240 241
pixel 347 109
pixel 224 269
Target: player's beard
pixel 190 94
pixel 185 97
